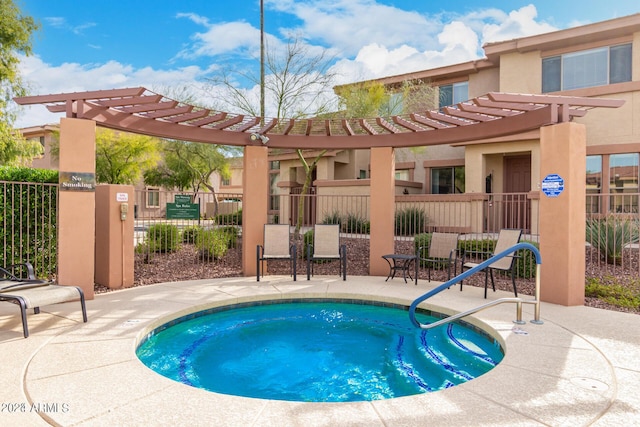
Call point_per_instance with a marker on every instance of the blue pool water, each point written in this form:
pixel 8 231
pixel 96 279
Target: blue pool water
pixel 318 351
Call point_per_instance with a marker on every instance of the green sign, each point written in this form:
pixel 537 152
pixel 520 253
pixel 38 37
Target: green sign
pixel 183 208
pixel 182 198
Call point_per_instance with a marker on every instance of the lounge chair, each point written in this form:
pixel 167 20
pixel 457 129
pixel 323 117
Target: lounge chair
pixel 507 238
pixel 442 250
pixel 326 245
pixel 34 293
pixel 277 246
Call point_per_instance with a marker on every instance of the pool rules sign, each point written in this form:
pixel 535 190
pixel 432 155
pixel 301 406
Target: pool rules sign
pixel 552 185
pixel 183 208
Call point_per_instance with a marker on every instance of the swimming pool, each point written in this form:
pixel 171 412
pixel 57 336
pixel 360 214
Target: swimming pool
pixel 327 351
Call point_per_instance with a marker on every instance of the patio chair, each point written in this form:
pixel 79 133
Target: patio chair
pixel 442 251
pixel 326 245
pixel 34 293
pixel 277 246
pixel 507 238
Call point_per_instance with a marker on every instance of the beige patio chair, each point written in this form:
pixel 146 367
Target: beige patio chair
pixel 326 245
pixel 33 293
pixel 507 238
pixel 442 251
pixel 277 246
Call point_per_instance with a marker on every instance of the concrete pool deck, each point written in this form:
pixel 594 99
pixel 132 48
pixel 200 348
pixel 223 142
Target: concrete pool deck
pixel 581 367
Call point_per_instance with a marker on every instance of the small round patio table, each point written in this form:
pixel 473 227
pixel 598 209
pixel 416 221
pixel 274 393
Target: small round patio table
pixel 401 262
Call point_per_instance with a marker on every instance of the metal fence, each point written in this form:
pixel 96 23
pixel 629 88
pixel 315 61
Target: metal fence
pixel 613 236
pixel 28 222
pixel 184 236
pixel 186 242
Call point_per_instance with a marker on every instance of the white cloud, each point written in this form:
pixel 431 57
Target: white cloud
pixel 369 40
pixel 519 23
pixel 44 78
pixel 223 38
pixel 350 24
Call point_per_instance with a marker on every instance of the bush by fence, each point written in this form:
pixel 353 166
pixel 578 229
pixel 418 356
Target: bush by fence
pixel 28 207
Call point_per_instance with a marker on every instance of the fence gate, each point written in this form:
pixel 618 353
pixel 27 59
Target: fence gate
pixel 308 203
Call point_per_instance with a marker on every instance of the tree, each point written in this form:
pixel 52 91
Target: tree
pixel 298 85
pixel 362 100
pixel 15 38
pixel 121 158
pixel 373 99
pixel 189 165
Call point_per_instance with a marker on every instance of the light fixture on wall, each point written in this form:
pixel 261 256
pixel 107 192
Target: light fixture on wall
pixel 256 136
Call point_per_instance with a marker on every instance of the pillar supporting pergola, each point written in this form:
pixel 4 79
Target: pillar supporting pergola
pixel 138 110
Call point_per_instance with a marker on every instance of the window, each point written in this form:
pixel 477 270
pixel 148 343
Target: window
pixel 402 175
pixel 587 68
pixel 225 181
pixel 453 94
pixel 623 173
pixel 623 182
pixel 594 183
pixel 594 174
pixel 153 197
pixel 448 180
pixel 274 175
pixel 363 174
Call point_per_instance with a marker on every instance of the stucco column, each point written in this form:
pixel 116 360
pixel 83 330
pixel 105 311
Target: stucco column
pixel 114 236
pixel 76 205
pixel 255 196
pixel 382 213
pixel 562 217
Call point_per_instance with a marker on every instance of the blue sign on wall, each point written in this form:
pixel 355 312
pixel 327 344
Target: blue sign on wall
pixel 552 185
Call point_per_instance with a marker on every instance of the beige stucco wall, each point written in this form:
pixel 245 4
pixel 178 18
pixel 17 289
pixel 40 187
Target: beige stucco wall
pixel 610 126
pixel 76 209
pixel 114 237
pixel 484 82
pixel 521 72
pixel 483 159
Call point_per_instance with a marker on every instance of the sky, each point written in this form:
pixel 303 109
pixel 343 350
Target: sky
pixel 165 44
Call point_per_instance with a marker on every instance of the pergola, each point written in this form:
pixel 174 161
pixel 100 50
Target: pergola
pixel 140 110
pixel 562 153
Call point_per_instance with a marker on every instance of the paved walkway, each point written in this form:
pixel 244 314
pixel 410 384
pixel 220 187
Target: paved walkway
pixel 581 367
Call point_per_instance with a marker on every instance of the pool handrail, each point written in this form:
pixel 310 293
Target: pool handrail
pixel 518 301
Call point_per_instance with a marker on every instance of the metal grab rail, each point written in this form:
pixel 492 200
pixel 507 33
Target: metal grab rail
pixel 479 267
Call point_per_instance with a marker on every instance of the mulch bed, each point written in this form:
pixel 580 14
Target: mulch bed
pixel 187 264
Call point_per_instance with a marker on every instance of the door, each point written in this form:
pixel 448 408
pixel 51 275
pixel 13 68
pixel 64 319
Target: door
pixel 517 183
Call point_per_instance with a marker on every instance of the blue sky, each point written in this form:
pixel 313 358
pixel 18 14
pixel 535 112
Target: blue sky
pixel 167 43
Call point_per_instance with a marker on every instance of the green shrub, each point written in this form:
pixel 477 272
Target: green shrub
pixel 213 244
pixel 234 218
pixel 355 224
pixel 610 235
pixel 614 293
pixel 190 234
pixel 23 174
pixel 28 222
pixel 420 240
pixel 232 233
pixel 410 221
pixel 307 239
pixel 525 264
pixel 333 218
pixel 163 238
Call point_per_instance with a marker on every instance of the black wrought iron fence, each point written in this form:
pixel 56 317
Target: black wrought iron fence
pixel 475 218
pixel 183 236
pixel 612 222
pixel 613 236
pixel 29 226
